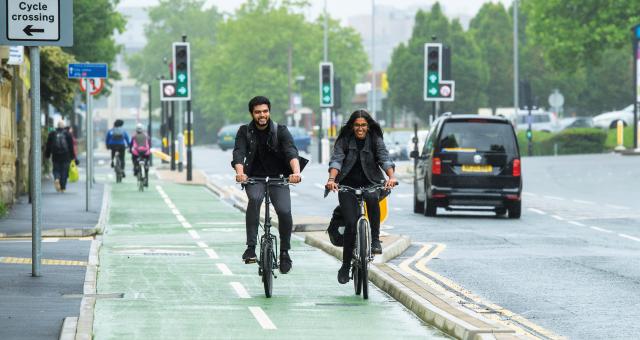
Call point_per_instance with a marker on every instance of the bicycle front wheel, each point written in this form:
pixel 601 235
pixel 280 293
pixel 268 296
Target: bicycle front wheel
pixel 267 269
pixel 363 255
pixel 140 181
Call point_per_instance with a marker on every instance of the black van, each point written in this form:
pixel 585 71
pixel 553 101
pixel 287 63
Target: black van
pixel 469 162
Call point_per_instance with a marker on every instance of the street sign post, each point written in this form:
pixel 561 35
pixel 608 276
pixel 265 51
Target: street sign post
pixel 37 23
pixel 636 82
pixel 435 88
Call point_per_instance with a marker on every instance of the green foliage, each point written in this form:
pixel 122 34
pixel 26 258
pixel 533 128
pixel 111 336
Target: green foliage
pixel 3 209
pixel 567 142
pixel 56 88
pixel 251 58
pixel 612 138
pixel 407 66
pixel 575 33
pixel 168 21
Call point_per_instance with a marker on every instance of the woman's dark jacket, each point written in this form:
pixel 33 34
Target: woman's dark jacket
pixel 246 146
pixel 374 157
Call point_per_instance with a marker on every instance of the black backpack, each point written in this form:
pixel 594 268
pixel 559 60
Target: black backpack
pixel 60 145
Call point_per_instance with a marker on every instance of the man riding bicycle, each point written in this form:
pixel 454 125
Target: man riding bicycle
pixel 140 149
pixel 117 140
pixel 359 154
pixel 265 149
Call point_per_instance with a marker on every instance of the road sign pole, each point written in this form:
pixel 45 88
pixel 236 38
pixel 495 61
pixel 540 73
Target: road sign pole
pixel 149 131
pixel 189 141
pixel 87 145
pixel 636 82
pixel 36 163
pixel 172 125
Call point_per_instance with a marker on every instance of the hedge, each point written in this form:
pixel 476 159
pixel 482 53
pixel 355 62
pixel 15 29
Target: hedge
pixel 573 141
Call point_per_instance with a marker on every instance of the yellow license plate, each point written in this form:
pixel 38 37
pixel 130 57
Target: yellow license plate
pixel 227 138
pixel 477 168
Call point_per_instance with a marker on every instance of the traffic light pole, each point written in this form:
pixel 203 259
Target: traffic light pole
pixel 149 126
pixel 636 92
pixel 189 139
pixel 172 127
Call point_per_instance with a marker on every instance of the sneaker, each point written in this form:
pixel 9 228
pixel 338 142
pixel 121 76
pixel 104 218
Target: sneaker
pixel 285 262
pixel 112 164
pixel 249 255
pixel 376 247
pixel 56 184
pixel 343 274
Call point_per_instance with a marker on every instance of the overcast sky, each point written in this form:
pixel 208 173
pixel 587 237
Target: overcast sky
pixel 347 8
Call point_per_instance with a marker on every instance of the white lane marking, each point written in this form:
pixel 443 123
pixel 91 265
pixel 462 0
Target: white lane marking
pixel 559 218
pixel 212 254
pixel 554 198
pixel 181 219
pixel 224 269
pixel 629 237
pixel 294 194
pixel 318 185
pixel 172 206
pixel 175 211
pixel 601 229
pixel 194 234
pixel 217 176
pixel 186 225
pixel 202 244
pixel 398 209
pixel 529 194
pixel 613 206
pixel 47 240
pixel 262 318
pixel 239 288
pixel 577 223
pixel 583 202
pixel 403 195
pixel 537 211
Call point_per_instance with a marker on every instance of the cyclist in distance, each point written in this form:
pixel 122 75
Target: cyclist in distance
pixel 265 149
pixel 117 140
pixel 140 148
pixel 358 160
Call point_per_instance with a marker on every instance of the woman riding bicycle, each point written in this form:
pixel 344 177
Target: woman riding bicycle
pixel 359 156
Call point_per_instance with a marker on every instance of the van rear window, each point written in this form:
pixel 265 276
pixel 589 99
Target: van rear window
pixel 463 136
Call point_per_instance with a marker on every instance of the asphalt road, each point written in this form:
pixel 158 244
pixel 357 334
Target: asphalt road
pixel 570 265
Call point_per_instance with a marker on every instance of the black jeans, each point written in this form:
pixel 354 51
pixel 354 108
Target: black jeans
pixel 119 148
pixel 351 212
pixel 281 201
pixel 61 172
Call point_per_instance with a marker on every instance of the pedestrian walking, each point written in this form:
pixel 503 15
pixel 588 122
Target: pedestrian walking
pixel 60 148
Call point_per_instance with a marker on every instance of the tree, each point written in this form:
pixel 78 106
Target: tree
pixel 251 58
pixel 168 21
pixel 491 28
pixel 56 88
pixel 576 32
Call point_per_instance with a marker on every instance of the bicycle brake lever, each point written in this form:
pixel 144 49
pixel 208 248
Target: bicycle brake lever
pixel 326 192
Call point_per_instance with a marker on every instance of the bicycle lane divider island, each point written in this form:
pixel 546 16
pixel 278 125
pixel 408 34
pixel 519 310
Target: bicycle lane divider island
pixel 170 267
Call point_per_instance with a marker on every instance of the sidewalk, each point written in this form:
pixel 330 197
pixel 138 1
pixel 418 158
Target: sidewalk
pixel 34 307
pixel 173 271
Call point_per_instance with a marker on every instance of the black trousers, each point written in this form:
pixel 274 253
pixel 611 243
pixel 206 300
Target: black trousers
pixel 281 201
pixel 119 148
pixel 351 212
pixel 61 172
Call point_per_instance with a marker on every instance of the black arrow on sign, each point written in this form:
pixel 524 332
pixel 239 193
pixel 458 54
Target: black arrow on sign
pixel 28 30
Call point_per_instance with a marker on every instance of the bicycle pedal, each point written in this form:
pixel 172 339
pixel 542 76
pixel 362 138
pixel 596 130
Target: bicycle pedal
pixel 250 261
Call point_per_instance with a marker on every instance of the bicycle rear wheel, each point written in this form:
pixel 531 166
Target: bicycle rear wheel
pixel 357 278
pixel 140 181
pixel 266 262
pixel 363 260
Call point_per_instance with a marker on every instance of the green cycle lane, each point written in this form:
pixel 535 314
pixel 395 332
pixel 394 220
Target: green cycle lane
pixel 170 268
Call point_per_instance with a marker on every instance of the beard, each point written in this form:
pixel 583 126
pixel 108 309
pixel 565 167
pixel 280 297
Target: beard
pixel 266 122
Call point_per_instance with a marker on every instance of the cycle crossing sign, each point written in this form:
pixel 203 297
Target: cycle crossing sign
pixel 36 23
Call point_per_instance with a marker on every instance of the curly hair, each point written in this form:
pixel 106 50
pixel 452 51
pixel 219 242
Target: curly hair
pixel 347 129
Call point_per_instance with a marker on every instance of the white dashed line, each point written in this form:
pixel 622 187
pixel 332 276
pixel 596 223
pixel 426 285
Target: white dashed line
pixel 602 230
pixel 554 198
pixel 537 211
pixel 224 269
pixel 239 288
pixel 212 254
pixel 559 218
pixel 181 219
pixel 202 244
pixel 612 206
pixel 584 202
pixel 577 223
pixel 186 225
pixel 629 237
pixel 262 318
pixel 194 234
pixel 175 211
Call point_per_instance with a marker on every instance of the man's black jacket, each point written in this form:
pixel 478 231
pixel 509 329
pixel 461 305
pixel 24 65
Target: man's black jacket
pixel 246 146
pixel 58 157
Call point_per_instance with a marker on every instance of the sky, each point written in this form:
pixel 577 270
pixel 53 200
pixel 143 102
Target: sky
pixel 344 9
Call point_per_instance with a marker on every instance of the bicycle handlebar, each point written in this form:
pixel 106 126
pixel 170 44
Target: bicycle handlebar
pixel 274 180
pixel 370 189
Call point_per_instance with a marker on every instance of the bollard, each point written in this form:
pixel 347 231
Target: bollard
pixel 620 136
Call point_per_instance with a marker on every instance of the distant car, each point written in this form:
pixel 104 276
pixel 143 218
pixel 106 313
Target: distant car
pixel 396 142
pixel 469 162
pixel 301 138
pixel 540 121
pixel 227 136
pixel 609 120
pixel 576 123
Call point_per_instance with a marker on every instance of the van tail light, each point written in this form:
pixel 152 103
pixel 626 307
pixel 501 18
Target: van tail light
pixel 439 196
pixel 436 166
pixel 512 197
pixel 516 168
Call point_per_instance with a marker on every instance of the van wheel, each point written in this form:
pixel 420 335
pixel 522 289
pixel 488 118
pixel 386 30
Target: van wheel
pixel 430 208
pixel 515 210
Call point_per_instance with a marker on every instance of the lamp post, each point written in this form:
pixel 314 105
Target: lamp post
pixel 373 58
pixel 516 80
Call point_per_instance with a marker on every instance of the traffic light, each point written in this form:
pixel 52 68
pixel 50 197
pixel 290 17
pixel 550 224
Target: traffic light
pixel 326 84
pixel 435 88
pixel 182 68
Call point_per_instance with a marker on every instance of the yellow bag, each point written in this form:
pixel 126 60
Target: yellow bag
pixel 74 176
